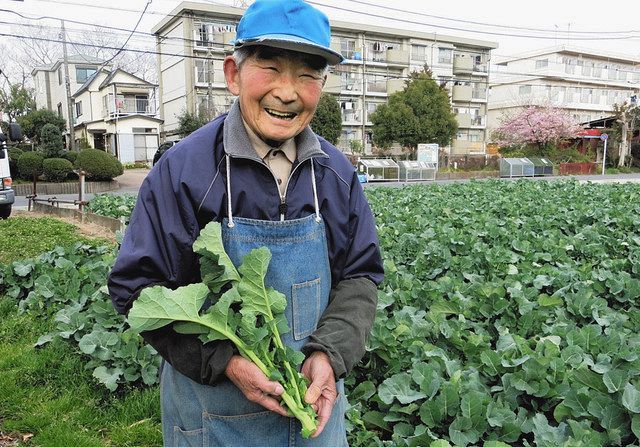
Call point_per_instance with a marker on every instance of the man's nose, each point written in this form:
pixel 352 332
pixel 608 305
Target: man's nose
pixel 285 89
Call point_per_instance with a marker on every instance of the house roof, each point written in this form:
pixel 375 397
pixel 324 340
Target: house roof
pixel 109 79
pixel 135 115
pixel 77 59
pixel 233 14
pixel 88 82
pixel 572 50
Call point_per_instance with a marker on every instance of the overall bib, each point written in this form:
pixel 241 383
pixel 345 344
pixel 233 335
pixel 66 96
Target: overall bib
pixel 195 415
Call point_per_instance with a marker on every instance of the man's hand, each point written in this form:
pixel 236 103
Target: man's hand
pixel 322 393
pixel 254 384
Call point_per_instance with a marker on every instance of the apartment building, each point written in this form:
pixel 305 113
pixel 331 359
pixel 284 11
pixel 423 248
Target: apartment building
pixel 194 38
pixel 587 83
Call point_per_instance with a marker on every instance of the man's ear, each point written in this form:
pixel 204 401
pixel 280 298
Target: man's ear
pixel 232 75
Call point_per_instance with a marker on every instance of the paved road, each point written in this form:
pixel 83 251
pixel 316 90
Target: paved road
pixel 131 180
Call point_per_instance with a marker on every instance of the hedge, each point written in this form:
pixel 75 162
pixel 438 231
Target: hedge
pixel 56 169
pixel 28 164
pixel 98 164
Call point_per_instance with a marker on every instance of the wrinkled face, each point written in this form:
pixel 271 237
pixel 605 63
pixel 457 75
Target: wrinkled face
pixel 277 90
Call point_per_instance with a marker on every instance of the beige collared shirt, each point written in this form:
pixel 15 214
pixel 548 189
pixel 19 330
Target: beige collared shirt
pixel 279 159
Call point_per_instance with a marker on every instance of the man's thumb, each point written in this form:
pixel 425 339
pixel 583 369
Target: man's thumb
pixel 313 393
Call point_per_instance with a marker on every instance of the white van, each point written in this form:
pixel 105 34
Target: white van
pixel 7 196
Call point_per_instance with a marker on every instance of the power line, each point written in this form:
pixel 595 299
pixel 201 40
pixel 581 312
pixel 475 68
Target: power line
pixel 493 33
pixel 484 23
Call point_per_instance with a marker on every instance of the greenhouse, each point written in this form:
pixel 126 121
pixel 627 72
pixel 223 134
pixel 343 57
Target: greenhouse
pixel 516 167
pixel 379 169
pixel 417 170
pixel 542 166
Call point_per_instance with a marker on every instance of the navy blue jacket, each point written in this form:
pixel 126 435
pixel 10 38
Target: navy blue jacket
pixel 187 189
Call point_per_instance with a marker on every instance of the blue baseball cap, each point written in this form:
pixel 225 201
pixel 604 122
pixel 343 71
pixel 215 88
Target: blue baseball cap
pixel 288 24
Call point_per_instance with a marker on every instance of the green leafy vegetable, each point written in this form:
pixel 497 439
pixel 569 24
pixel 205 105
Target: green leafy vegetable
pixel 248 313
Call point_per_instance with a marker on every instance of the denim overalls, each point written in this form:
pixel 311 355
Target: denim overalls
pixel 195 415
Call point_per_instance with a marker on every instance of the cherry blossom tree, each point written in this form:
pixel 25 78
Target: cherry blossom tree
pixel 536 126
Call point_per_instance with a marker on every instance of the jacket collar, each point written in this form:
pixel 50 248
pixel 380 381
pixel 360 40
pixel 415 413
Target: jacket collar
pixel 236 142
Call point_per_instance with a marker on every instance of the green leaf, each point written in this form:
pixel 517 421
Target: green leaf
pixel 209 245
pixel 398 387
pixel 545 300
pixel 635 425
pixel 158 306
pixel 631 398
pixel 108 377
pixel 615 380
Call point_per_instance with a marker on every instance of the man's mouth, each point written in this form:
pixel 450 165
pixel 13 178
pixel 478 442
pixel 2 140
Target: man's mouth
pixel 281 115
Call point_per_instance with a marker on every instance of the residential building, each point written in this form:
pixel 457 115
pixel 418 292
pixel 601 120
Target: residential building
pixel 586 83
pixel 112 109
pixel 49 80
pixel 194 38
pixel 116 111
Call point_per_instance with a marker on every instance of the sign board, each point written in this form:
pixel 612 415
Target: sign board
pixel 604 136
pixel 428 152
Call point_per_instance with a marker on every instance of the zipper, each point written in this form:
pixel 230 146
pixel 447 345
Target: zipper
pixel 282 208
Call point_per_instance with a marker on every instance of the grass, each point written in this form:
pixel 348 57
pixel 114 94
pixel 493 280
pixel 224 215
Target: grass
pixel 26 237
pixel 47 392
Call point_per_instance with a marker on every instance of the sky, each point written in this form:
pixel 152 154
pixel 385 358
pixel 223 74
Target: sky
pixel 612 26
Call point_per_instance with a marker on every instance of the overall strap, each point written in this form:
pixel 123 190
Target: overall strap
pixel 229 213
pixel 315 191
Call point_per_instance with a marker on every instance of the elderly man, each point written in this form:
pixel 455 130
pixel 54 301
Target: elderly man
pixel 263 173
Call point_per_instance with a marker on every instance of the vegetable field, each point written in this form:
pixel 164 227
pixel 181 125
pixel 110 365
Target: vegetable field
pixel 508 317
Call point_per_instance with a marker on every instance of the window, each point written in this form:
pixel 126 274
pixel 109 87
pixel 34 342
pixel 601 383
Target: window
pixel 585 95
pixel 585 67
pixel 597 69
pixel 60 76
pixel 349 80
pixel 418 52
pixel 60 109
pixel 595 96
pixel 445 55
pixel 210 33
pixel 82 74
pixel 524 90
pixel 613 72
pixel 348 49
pixel 79 108
pixel 622 73
pixel 569 65
pixel 202 71
pixel 542 63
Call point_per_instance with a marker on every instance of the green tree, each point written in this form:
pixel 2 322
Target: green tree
pixel 327 121
pixel 51 142
pixel 190 122
pixel 33 122
pixel 16 100
pixel 421 113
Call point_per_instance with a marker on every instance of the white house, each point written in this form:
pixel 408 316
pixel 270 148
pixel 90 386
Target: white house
pixel 115 111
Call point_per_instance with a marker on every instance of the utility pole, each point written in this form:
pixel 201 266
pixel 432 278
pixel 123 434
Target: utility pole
pixel 364 94
pixel 67 85
pixel 209 87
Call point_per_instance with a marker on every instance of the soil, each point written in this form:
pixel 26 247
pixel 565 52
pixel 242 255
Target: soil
pixel 87 229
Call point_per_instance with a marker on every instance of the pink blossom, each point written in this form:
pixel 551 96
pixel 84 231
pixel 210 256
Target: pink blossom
pixel 536 125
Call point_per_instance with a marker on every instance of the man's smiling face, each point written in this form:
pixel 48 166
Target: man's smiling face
pixel 278 92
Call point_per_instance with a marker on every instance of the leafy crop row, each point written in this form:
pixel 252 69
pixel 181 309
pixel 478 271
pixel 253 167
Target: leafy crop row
pixel 509 314
pixel 116 206
pixel 69 285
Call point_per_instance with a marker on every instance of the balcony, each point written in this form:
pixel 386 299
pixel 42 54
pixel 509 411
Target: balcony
pixel 395 85
pixel 462 93
pixel 462 64
pixel 377 87
pixel 398 57
pixel 480 94
pixel 128 106
pixel 333 84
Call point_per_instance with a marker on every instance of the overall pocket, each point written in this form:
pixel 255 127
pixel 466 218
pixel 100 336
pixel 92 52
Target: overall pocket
pixel 187 438
pixel 305 300
pixel 266 429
